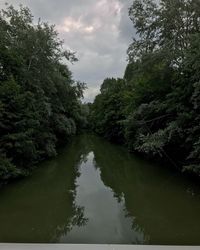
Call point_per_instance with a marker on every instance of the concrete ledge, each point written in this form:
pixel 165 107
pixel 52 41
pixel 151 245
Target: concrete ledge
pixel 90 247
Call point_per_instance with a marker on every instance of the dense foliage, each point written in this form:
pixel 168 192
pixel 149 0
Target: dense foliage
pixel 39 101
pixel 155 109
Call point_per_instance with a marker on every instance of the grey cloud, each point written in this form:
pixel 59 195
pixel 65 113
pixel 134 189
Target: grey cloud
pixel 127 31
pixel 99 30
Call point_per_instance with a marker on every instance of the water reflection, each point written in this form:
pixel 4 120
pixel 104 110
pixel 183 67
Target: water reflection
pixel 95 192
pixel 157 199
pixel 42 208
pixel 108 220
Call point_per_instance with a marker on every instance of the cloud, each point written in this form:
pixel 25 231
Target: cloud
pixel 98 30
pixel 92 91
pixel 72 25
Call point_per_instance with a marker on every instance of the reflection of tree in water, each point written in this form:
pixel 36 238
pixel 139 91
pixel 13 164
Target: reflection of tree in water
pixel 110 160
pixel 42 208
pixel 135 184
pixel 141 237
pixel 81 149
pixel 77 217
pixel 76 220
pixel 155 199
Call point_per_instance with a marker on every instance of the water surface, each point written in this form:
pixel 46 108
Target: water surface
pixel 96 192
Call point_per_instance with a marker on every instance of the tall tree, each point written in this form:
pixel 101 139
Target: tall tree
pixel 39 100
pixel 161 115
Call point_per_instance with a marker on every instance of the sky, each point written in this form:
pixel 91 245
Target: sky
pixel 99 31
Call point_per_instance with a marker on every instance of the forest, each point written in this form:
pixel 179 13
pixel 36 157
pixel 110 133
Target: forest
pixel 154 110
pixel 40 107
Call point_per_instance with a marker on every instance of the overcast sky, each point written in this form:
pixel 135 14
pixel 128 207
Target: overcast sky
pixel 98 30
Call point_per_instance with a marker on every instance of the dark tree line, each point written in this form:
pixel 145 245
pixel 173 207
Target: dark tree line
pixel 40 104
pixel 155 108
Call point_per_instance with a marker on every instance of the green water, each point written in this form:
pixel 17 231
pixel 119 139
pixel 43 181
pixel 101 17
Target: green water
pixel 96 192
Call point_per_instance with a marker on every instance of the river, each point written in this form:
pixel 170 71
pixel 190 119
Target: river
pixel 97 192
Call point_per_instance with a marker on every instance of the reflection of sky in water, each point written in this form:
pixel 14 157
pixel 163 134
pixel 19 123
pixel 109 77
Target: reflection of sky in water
pixel 107 219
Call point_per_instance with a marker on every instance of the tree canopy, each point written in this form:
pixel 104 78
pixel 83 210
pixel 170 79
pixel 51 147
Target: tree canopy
pixel 40 104
pixel 156 110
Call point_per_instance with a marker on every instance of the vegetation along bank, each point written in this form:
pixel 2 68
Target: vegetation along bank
pixel 155 109
pixel 40 104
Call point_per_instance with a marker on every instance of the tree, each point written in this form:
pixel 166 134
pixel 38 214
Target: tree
pixel 161 116
pixel 39 100
pixel 109 109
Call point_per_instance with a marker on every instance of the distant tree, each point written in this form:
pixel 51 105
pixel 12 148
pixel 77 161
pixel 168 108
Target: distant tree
pixel 109 109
